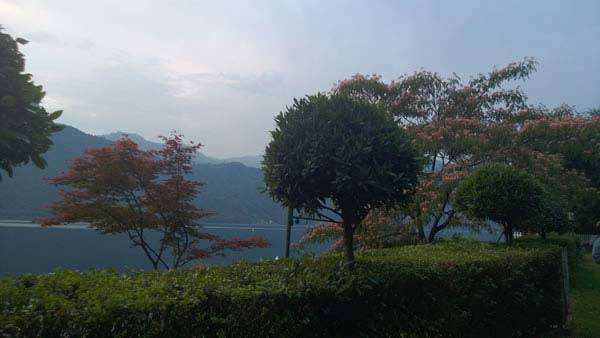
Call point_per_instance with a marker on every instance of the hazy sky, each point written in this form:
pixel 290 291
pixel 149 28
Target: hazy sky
pixel 218 71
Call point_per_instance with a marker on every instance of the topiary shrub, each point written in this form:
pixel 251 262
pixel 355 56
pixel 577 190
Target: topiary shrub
pixel 501 193
pixel 338 158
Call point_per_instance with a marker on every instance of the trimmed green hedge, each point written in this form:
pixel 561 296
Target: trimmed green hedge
pixel 456 288
pixel 571 243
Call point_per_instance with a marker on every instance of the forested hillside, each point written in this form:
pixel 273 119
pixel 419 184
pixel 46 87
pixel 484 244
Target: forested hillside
pixel 232 191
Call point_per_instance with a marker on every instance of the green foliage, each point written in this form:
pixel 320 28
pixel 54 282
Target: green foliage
pixel 585 297
pixel 455 288
pixel 337 148
pixel 569 242
pixel 344 155
pixel 456 124
pixel 502 194
pixel 25 126
pixel 572 138
pixel 552 217
pixel 587 212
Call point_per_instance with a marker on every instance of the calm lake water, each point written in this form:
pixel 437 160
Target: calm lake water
pixel 28 248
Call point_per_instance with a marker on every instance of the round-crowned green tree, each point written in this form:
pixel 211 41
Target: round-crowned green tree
pixel 500 193
pixel 338 158
pixel 25 126
pixel 552 217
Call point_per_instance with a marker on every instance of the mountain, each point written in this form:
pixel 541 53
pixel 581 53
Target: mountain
pixel 141 142
pixel 232 190
pixel 26 194
pixel 149 145
pixel 248 161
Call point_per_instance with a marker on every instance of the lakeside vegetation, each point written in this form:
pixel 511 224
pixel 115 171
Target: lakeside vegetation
pixel 464 288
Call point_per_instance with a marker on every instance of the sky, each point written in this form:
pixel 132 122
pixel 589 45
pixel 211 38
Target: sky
pixel 219 71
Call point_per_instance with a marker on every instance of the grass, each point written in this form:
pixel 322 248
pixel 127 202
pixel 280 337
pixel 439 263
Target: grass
pixel 585 296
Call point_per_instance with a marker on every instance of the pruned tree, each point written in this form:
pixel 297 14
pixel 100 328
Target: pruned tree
pixel 553 216
pixel 338 158
pixel 500 193
pixel 25 126
pixel 122 189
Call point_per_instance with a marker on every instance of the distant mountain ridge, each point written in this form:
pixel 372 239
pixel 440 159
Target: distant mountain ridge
pixel 249 161
pixel 149 145
pixel 233 191
pixel 141 141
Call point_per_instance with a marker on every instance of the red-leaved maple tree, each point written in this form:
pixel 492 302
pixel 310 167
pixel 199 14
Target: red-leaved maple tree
pixel 123 189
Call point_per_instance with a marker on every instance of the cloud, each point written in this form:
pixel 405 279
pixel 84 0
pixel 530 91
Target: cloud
pixel 49 38
pixel 272 84
pixel 17 11
pixel 230 114
pixel 219 71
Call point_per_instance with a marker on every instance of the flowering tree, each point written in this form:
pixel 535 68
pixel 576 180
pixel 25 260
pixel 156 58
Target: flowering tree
pixel 573 140
pixel 459 125
pixel 122 189
pixel 381 228
pixel 456 124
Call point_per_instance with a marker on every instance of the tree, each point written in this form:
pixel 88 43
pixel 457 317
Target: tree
pixel 122 189
pixel 457 124
pixel 573 139
pixel 500 193
pixel 594 111
pixel 25 126
pixel 551 217
pixel 380 229
pixel 338 158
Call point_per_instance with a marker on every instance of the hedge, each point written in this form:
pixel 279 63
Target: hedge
pixel 456 288
pixel 571 243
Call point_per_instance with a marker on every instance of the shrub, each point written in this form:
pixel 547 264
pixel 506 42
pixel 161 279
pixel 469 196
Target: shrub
pixel 571 243
pixel 456 288
pixel 501 193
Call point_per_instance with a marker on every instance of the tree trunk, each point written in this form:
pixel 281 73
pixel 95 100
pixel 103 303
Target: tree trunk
pixel 434 230
pixel 437 226
pixel 421 230
pixel 348 245
pixel 508 234
pixel 543 232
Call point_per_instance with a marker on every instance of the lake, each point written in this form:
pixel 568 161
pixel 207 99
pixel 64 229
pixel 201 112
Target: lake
pixel 28 248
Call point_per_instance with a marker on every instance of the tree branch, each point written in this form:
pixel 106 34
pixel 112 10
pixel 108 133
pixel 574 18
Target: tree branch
pixel 322 206
pixel 324 219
